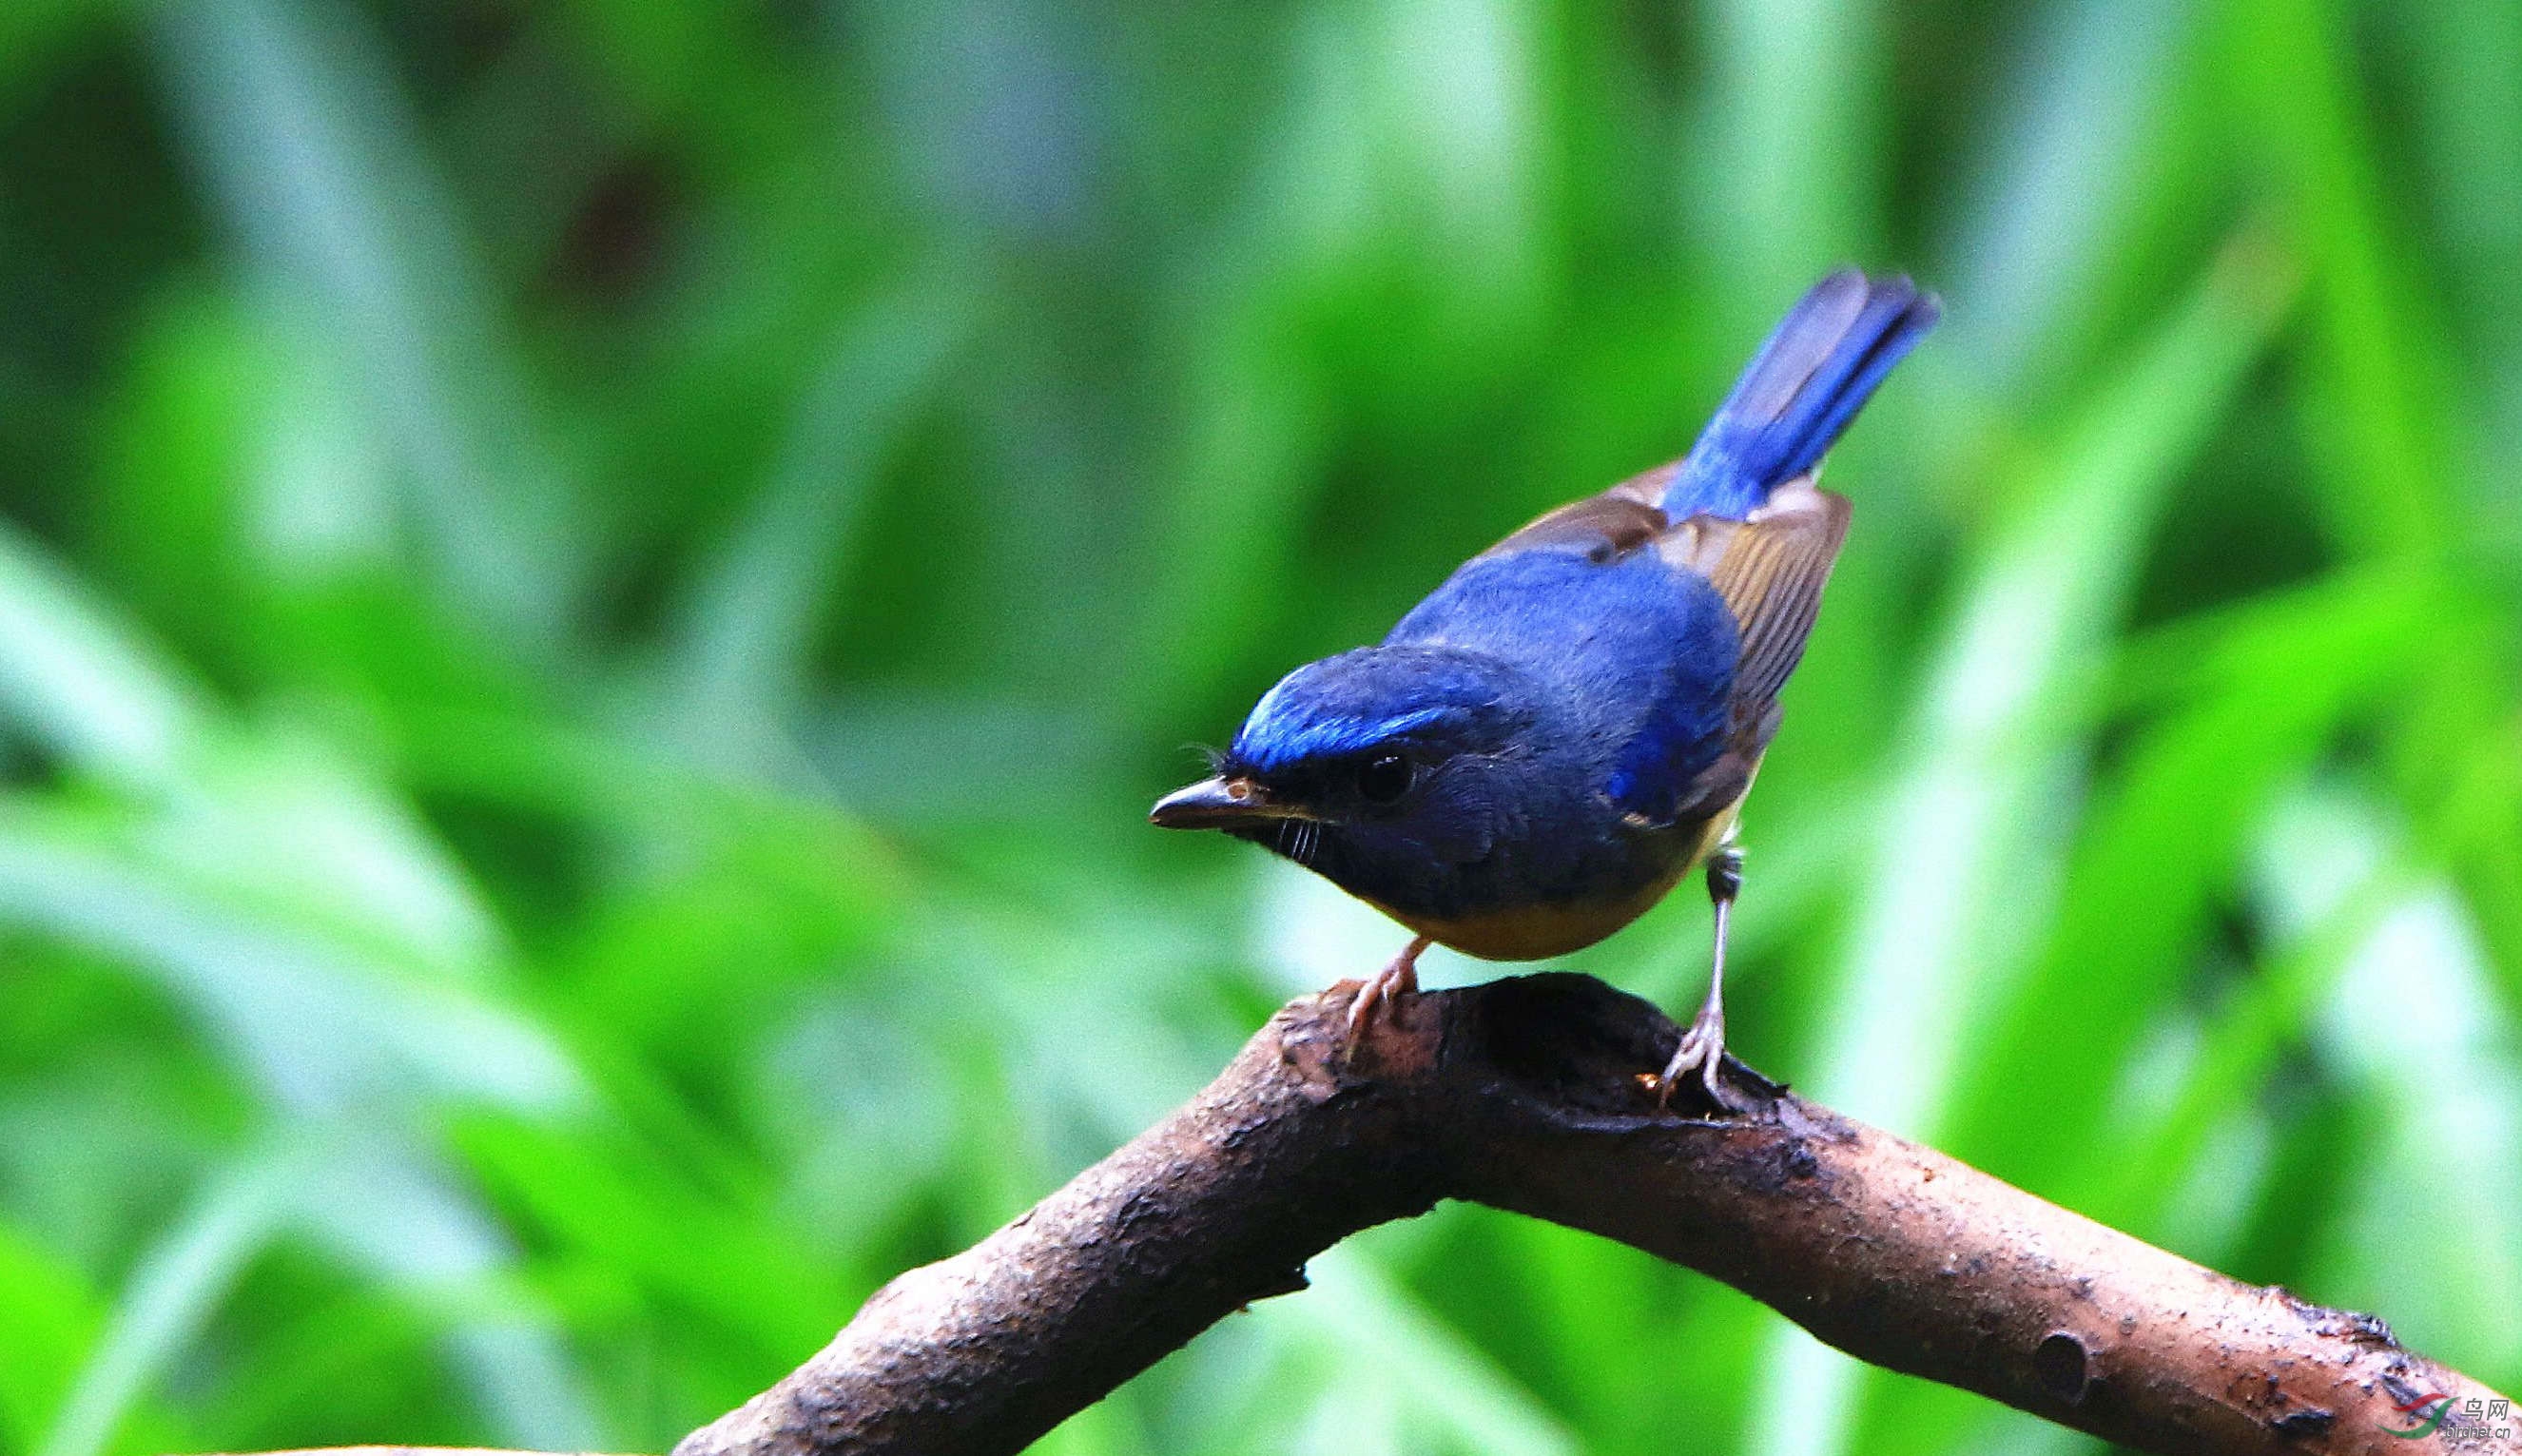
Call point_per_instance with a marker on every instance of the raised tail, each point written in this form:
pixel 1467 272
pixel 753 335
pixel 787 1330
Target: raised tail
pixel 1803 387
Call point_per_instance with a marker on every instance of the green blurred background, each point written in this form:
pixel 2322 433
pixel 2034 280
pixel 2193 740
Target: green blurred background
pixel 592 596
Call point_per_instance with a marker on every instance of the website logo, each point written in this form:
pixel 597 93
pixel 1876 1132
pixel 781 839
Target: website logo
pixel 2436 1411
pixel 2415 1410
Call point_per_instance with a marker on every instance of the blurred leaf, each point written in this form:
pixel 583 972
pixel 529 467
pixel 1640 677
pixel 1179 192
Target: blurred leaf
pixel 297 126
pixel 2434 1220
pixel 748 630
pixel 1445 1391
pixel 80 680
pixel 2170 831
pixel 2384 458
pixel 169 1297
pixel 628 1214
pixel 48 1318
pixel 315 1024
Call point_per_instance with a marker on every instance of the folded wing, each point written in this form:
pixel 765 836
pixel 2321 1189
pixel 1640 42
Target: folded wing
pixel 1771 570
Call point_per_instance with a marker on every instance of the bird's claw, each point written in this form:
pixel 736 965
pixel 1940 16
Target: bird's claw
pixel 1702 1050
pixel 1398 977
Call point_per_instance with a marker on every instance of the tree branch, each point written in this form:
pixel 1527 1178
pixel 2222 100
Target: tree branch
pixel 1524 1095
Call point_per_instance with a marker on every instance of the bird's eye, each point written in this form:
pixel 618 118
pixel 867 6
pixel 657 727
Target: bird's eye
pixel 1383 777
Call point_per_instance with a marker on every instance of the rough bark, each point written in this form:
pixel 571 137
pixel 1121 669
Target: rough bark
pixel 1525 1095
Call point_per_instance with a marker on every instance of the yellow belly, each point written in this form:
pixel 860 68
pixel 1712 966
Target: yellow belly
pixel 1537 932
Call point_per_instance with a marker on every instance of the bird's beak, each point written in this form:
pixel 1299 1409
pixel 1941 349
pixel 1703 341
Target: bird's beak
pixel 1220 803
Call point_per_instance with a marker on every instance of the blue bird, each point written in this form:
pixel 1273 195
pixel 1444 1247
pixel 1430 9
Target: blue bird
pixel 1553 738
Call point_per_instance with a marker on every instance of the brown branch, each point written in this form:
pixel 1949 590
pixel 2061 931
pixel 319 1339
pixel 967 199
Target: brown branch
pixel 1523 1093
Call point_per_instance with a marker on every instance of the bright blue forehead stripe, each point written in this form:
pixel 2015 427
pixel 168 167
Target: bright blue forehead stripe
pixel 1280 733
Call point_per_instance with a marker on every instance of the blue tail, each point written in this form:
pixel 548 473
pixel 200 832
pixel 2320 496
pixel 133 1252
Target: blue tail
pixel 1803 387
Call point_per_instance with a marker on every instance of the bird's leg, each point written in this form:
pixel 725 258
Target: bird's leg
pixel 1702 1045
pixel 1398 977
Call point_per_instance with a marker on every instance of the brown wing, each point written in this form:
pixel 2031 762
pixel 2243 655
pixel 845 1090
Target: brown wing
pixel 1771 570
pixel 1771 574
pixel 1612 524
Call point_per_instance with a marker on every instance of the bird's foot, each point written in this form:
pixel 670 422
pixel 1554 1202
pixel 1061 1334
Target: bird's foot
pixel 1701 1052
pixel 1398 977
pixel 1702 1045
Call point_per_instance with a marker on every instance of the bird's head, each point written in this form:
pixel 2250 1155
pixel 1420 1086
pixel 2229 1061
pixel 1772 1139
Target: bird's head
pixel 1381 761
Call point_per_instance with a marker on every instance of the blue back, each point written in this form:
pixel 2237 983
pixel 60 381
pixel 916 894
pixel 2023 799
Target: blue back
pixel 1637 654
